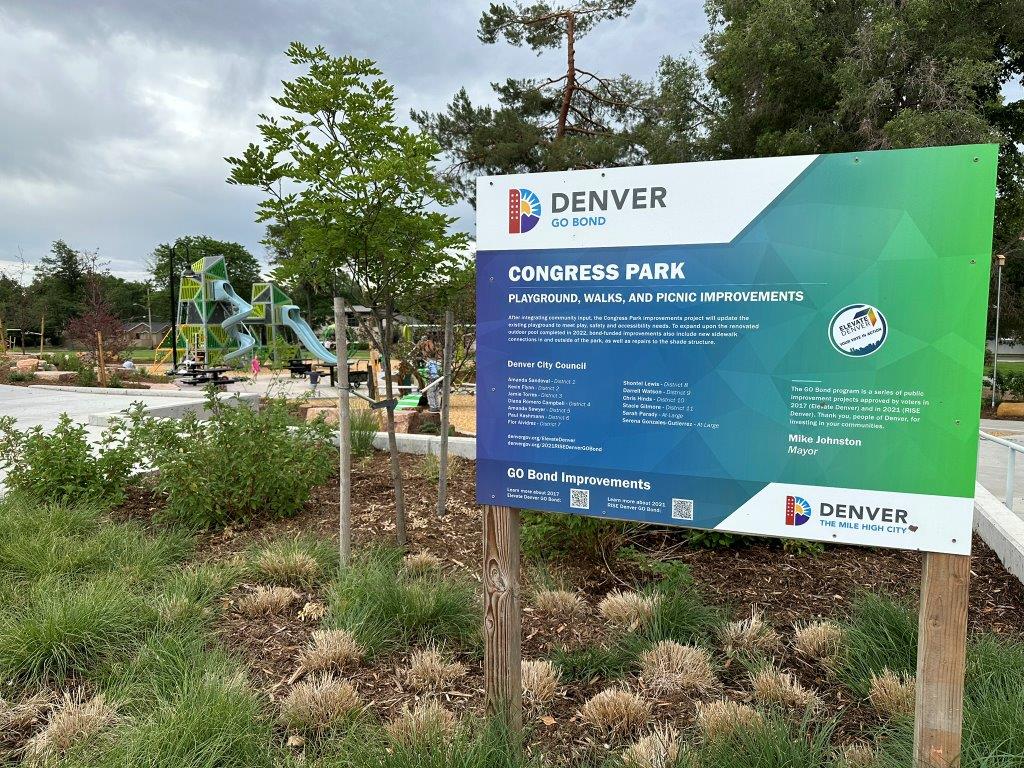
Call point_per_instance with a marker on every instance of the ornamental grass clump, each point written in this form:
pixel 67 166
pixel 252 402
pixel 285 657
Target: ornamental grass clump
pixel 818 640
pixel 267 601
pixel 658 749
pixel 892 694
pixel 773 687
pixel 559 603
pixel 77 720
pixel 751 636
pixel 627 609
pixel 421 725
pixel 720 719
pixel 672 666
pixel 616 712
pixel 541 682
pixel 330 649
pixel 321 703
pixel 429 670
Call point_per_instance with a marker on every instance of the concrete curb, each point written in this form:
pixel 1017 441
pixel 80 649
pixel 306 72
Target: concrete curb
pixel 197 394
pixel 423 444
pixel 1001 529
pixel 177 410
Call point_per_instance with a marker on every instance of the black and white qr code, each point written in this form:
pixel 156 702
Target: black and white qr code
pixel 579 498
pixel 682 509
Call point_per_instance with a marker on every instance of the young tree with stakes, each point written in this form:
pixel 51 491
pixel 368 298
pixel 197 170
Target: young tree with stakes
pixel 357 195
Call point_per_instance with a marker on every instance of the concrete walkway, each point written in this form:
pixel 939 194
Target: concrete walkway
pixel 992 460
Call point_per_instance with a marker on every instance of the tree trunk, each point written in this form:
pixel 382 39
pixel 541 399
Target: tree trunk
pixel 389 394
pixel 446 396
pixel 344 435
pixel 570 74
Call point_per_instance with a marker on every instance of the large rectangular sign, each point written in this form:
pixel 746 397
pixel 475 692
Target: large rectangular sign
pixel 786 346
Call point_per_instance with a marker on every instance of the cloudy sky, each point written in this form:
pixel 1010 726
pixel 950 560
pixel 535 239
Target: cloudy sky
pixel 115 115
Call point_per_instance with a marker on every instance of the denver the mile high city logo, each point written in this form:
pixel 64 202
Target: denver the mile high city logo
pixel 524 207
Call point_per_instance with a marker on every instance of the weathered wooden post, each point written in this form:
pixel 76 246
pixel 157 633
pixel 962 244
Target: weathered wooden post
pixel 941 660
pixel 446 395
pixel 503 685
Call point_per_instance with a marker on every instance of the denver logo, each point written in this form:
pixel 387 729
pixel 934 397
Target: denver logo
pixel 523 211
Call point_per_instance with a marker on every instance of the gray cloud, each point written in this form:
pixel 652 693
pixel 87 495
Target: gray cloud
pixel 115 115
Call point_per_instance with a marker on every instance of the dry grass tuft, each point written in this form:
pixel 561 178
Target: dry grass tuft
pixel 557 602
pixel 892 694
pixel 628 609
pixel 419 563
pixel 23 716
pixel 330 649
pixel 78 719
pixel 616 711
pixel 857 756
pixel 672 666
pixel 751 635
pixel 288 566
pixel 430 671
pixel 427 722
pixel 312 611
pixel 773 686
pixel 541 680
pixel 266 601
pixel 658 749
pixel 720 719
pixel 818 640
pixel 319 704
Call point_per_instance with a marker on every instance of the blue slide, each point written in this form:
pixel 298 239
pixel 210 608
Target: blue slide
pixel 222 291
pixel 290 317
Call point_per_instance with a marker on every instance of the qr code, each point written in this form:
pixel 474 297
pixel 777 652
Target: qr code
pixel 682 509
pixel 579 498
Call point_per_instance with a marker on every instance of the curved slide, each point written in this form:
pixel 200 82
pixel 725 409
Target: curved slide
pixel 222 291
pixel 290 317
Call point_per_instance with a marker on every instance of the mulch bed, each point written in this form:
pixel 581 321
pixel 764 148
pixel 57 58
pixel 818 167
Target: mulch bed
pixel 785 587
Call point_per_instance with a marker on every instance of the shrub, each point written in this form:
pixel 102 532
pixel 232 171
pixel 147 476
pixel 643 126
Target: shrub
pixel 86 376
pixel 61 465
pixel 362 428
pixel 386 609
pixel 545 534
pixel 238 465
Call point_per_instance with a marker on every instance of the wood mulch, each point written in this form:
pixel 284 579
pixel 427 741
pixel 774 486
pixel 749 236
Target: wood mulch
pixel 785 587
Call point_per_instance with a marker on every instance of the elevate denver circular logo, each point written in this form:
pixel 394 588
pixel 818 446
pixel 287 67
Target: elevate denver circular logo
pixel 523 211
pixel 858 330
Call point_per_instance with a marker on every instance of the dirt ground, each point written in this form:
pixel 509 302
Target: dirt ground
pixel 785 587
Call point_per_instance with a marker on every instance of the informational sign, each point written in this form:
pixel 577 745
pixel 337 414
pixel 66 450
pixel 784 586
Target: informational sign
pixel 785 347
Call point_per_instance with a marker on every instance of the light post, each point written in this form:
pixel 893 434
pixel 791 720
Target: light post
pixel 1000 261
pixel 174 310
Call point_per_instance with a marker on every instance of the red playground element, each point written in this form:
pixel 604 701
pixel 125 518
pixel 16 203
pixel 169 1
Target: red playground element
pixel 515 210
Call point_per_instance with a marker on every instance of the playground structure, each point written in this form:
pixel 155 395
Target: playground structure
pixel 212 317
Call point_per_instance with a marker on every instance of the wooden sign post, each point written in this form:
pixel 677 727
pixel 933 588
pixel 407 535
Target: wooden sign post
pixel 941 660
pixel 503 683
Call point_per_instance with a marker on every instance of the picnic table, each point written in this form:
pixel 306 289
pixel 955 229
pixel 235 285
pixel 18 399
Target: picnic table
pixel 200 375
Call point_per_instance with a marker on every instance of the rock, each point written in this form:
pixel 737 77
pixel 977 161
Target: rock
pixel 421 418
pixel 57 377
pixel 330 415
pixel 403 419
pixel 28 365
pixel 1010 409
